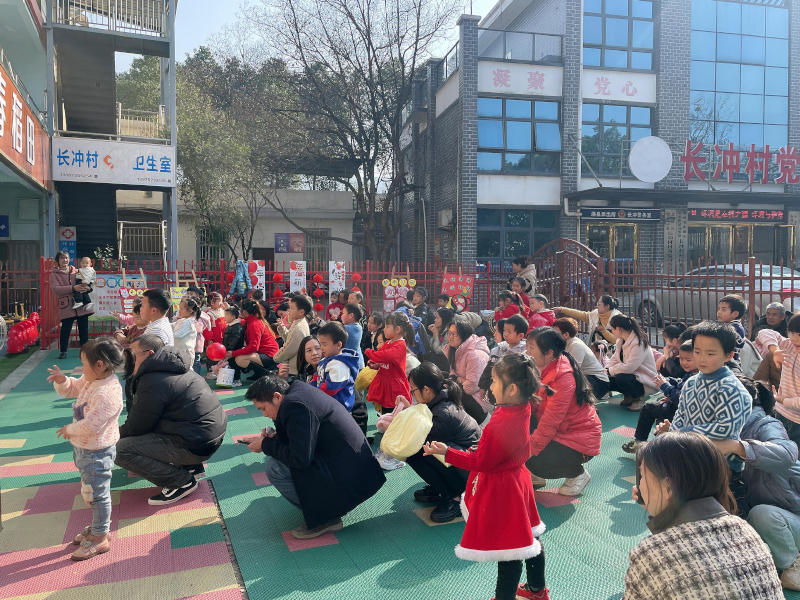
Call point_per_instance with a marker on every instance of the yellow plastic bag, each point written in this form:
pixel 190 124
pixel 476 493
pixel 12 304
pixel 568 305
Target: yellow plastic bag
pixel 364 378
pixel 407 432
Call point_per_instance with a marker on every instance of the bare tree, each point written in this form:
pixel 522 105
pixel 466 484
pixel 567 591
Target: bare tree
pixel 355 63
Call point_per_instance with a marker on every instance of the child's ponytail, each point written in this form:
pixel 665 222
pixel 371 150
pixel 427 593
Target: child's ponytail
pixel 194 306
pixel 520 370
pixel 401 320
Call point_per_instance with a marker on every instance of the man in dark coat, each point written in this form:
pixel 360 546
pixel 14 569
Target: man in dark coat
pixel 321 461
pixel 175 421
pixel 776 317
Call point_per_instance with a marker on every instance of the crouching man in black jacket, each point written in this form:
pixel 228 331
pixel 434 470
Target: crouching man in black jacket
pixel 175 421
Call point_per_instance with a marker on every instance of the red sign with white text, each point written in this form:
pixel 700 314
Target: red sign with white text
pixel 760 166
pixel 24 143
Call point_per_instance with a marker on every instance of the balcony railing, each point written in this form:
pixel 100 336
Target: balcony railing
pixel 520 46
pixel 140 123
pixel 142 17
pixel 21 87
pixel 449 64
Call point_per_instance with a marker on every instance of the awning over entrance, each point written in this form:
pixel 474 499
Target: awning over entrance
pixel 615 194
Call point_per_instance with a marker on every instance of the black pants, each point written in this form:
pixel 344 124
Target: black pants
pixel 449 482
pixel 267 364
pixel 83 297
pixel 792 428
pixel 556 461
pixel 359 412
pixel 66 329
pixel 509 572
pixel 626 384
pixel 739 491
pixel 653 413
pixel 599 387
pixel 473 408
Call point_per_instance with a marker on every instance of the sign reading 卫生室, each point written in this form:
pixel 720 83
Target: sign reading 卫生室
pixel 100 161
pixel 622 214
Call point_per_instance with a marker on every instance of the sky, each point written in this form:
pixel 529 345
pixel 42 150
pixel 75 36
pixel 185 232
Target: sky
pixel 197 20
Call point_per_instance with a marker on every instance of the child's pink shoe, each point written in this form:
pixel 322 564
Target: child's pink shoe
pixel 524 592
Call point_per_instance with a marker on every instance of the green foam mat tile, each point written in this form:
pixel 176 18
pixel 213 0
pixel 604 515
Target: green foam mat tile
pixel 196 535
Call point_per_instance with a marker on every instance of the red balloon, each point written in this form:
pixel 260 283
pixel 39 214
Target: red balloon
pixel 253 279
pixel 356 277
pixel 317 278
pixel 252 267
pixel 229 277
pixel 318 307
pixel 15 346
pixel 216 351
pixel 277 278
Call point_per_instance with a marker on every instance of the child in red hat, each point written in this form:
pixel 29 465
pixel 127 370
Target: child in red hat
pixel 503 524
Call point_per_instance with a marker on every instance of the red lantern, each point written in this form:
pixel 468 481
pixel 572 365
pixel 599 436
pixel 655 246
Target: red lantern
pixel 317 278
pixel 318 292
pixel 278 293
pixel 253 279
pixel 318 307
pixel 252 267
pixel 277 278
pixel 229 277
pixel 356 277
pixel 355 289
pixel 216 351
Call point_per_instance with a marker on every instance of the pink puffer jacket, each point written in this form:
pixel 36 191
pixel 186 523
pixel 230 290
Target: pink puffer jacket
pixel 471 359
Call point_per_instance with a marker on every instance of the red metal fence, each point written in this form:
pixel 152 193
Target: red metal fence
pixel 569 275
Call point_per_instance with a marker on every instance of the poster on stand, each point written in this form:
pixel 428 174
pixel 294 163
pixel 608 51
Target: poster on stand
pixel 337 275
pixel 177 294
pixel 106 293
pixel 297 276
pixel 259 273
pixel 459 288
pixel 395 290
pixel 128 296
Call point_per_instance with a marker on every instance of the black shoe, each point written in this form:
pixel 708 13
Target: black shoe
pixel 199 471
pixel 62 356
pixel 170 495
pixel 427 494
pixel 446 511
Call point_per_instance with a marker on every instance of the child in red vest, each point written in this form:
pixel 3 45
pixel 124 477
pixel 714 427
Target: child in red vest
pixel 502 521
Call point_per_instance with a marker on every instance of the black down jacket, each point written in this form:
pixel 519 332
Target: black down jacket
pixel 333 468
pixel 170 399
pixel 451 424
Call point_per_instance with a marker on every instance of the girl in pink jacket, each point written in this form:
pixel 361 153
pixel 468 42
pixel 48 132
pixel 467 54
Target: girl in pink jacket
pixel 633 366
pixel 93 433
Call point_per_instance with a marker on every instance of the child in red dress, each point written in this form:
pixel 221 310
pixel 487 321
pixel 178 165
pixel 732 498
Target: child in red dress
pixel 391 381
pixel 502 521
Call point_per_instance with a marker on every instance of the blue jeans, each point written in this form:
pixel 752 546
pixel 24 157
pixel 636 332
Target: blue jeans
pixel 280 476
pixel 95 467
pixel 780 530
pixel 197 365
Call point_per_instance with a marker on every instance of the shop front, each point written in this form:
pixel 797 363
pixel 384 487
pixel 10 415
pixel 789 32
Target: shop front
pixel 615 233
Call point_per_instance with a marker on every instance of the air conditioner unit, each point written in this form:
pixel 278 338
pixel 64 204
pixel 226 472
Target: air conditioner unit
pixel 446 219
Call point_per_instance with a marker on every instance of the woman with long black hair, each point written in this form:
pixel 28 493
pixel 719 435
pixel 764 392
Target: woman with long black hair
pixel 566 430
pixel 632 367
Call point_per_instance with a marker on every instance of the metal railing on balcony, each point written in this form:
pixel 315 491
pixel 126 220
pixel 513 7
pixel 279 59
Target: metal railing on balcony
pixel 142 240
pixel 140 123
pixel 449 64
pixel 142 17
pixel 520 46
pixel 26 96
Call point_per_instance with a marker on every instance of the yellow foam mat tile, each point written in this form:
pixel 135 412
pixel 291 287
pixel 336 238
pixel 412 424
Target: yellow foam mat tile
pixel 12 443
pixel 425 515
pixel 159 587
pixel 14 499
pixel 79 502
pixel 167 521
pixel 27 532
pixel 22 461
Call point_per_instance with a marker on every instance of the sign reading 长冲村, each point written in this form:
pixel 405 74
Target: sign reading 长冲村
pixel 101 161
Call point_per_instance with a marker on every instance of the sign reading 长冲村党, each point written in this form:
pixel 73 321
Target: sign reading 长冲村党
pixel 102 161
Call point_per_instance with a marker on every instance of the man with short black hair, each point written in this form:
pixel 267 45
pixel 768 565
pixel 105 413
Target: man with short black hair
pixel 155 306
pixel 320 460
pixel 175 421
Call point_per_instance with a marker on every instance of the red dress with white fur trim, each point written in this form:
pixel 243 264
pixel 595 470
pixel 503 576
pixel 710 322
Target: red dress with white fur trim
pixel 498 506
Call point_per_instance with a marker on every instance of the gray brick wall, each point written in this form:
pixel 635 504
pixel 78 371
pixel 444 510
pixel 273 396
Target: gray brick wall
pixel 468 94
pixel 794 83
pixel 570 113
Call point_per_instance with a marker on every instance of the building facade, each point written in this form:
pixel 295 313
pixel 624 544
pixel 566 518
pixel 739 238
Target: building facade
pixel 527 131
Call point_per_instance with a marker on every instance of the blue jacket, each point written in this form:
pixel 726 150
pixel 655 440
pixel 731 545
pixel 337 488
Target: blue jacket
pixel 354 333
pixel 771 472
pixel 672 388
pixel 336 377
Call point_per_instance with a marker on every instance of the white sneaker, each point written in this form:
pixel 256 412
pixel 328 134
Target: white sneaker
pixel 574 485
pixel 790 578
pixel 236 383
pixel 211 376
pixel 89 306
pixel 538 481
pixel 77 305
pixel 388 463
